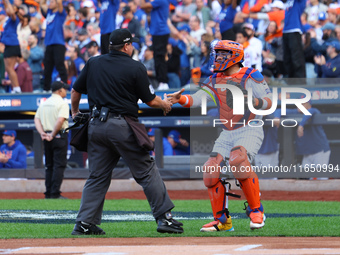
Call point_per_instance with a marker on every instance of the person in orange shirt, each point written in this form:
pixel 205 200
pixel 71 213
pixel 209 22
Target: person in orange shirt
pixel 276 14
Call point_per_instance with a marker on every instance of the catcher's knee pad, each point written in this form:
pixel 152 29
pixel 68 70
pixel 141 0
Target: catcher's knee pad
pixel 217 195
pixel 211 174
pixel 240 164
pixel 245 175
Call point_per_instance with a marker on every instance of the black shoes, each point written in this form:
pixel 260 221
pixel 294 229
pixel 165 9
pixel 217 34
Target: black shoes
pixel 83 228
pixel 166 224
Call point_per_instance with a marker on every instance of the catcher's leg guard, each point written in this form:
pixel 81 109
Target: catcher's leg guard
pixel 217 195
pixel 249 183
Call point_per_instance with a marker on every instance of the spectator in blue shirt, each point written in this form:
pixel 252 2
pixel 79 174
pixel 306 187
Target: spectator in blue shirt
pixel 331 67
pixel 54 41
pixel 12 152
pixel 160 32
pixel 107 23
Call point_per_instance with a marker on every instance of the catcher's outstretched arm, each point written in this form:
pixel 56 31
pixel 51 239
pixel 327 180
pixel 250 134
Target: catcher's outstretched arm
pixel 190 100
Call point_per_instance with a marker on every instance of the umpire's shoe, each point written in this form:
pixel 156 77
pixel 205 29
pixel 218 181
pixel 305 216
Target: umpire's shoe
pixel 166 224
pixel 83 228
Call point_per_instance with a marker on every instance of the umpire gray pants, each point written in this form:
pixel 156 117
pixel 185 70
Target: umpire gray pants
pixel 108 141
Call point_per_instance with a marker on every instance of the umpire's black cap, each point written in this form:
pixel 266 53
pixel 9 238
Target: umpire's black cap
pixel 121 36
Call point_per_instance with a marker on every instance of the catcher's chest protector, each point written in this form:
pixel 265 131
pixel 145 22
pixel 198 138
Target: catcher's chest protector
pixel 226 109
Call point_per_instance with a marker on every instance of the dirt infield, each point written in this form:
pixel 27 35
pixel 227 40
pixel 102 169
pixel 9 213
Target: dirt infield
pixel 195 194
pixel 174 245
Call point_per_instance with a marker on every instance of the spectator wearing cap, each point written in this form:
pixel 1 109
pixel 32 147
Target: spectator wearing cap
pixel 313 9
pixel 327 37
pixel 167 148
pixel 51 119
pixel 107 22
pixel 130 22
pixel 255 44
pixel 54 41
pixel 180 145
pixel 174 63
pixel 159 29
pixel 93 49
pixel 12 152
pixel 294 59
pixel 331 67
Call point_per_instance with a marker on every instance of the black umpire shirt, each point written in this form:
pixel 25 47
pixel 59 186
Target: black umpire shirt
pixel 116 81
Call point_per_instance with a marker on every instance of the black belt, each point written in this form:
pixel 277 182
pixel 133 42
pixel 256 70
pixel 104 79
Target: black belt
pixel 59 132
pixel 111 115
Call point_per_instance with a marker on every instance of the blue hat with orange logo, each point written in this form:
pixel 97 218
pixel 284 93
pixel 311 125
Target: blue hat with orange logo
pixel 10 133
pixel 174 134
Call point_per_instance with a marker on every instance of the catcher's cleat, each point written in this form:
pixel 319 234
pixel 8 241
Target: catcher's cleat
pixel 257 217
pixel 83 228
pixel 218 226
pixel 257 220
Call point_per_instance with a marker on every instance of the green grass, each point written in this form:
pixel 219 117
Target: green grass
pixel 284 226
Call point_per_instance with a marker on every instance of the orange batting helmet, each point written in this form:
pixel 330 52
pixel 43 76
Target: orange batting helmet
pixel 235 55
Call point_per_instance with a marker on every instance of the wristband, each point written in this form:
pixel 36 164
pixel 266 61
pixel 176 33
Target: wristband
pixel 185 100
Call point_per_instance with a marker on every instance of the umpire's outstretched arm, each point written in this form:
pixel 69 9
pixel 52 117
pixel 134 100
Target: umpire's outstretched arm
pixel 157 102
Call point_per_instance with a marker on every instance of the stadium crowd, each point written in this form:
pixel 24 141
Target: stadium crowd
pixel 43 41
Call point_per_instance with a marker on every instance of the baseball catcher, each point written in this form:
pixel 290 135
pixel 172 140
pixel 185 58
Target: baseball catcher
pixel 239 142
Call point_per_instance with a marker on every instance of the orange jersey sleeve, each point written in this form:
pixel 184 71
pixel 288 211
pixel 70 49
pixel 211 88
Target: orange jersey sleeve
pixel 258 6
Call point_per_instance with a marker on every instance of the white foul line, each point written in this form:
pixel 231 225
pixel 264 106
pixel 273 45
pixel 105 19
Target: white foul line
pixel 248 247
